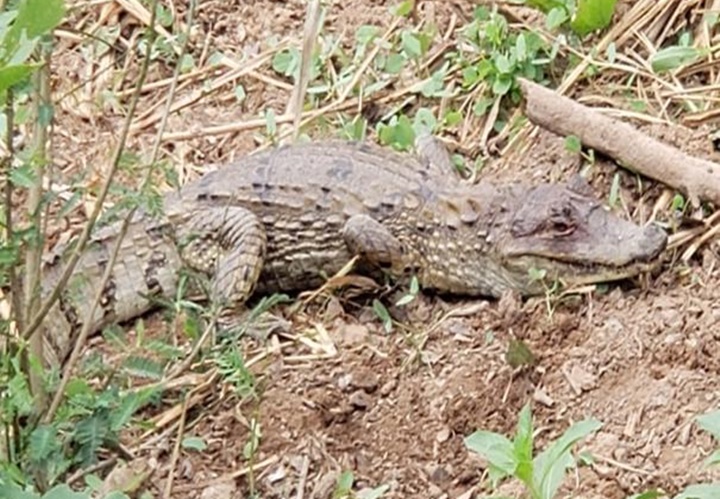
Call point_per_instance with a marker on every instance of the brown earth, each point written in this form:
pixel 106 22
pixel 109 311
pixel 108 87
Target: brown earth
pixel 393 408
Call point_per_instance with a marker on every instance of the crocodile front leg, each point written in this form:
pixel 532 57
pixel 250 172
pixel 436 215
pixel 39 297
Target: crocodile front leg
pixel 372 241
pixel 228 244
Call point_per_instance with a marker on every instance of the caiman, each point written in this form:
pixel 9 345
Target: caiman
pixel 286 219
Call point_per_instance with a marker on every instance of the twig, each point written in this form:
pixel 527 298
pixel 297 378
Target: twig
pixel 167 493
pixel 303 477
pixel 699 179
pixel 33 256
pixel 230 476
pixel 310 33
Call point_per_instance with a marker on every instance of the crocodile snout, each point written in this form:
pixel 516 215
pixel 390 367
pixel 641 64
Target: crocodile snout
pixel 654 242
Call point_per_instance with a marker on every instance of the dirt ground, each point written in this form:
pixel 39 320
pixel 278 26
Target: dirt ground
pixel 641 357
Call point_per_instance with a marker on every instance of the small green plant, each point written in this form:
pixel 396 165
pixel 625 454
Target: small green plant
pixel 500 55
pixel 344 489
pixel 541 474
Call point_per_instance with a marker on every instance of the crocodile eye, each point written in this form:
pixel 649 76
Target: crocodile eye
pixel 561 227
pixel 561 222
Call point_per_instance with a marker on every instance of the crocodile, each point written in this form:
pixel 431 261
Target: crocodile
pixel 286 219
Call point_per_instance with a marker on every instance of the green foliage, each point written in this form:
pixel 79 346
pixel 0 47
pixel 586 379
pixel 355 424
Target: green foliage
pixel 20 32
pixel 58 492
pixel 670 58
pixel 411 294
pixel 542 474
pixel 89 418
pixel 592 15
pixel 495 56
pixel 344 488
pixel 584 16
pixel 383 314
pixel 194 443
pixel 710 422
pixel 700 491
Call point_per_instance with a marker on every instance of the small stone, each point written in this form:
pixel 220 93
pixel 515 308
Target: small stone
pixel 225 490
pixel 277 474
pixel 360 400
pixel 439 475
pixel 443 435
pixel 344 381
pixel 353 334
pixel 388 387
pixel 365 379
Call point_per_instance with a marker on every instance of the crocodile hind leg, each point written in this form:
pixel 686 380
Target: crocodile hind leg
pixel 228 244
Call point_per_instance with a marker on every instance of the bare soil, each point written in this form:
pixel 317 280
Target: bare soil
pixel 642 357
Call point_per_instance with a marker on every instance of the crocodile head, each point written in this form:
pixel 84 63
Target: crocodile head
pixel 568 235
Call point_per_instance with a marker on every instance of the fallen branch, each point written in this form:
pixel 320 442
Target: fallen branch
pixel 697 178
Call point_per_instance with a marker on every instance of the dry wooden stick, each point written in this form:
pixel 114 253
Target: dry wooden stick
pixel 697 178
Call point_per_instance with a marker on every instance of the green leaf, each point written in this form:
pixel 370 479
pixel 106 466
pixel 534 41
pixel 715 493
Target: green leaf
pixel 521 48
pixel 194 443
pixel 383 315
pixel 700 491
pixel 502 63
pixel 8 254
pixel 91 434
pixel 399 133
pixel 270 122
pixel 43 443
pixel 12 75
pixel 63 492
pixel 404 300
pixel 129 405
pixel 591 15
pixel 573 144
pixel 411 44
pixel 550 465
pixel 495 448
pixel 452 118
pixel 546 5
pixel 523 445
pixel 11 490
pixel 286 62
pixel 678 203
pixel 710 422
pixel 39 17
pixel 94 482
pixel 713 458
pixel 556 18
pixel 404 8
pixel 502 84
pixel 143 367
pixel 671 58
pixel 344 484
pixel 395 63
pixel 23 176
pixel 425 121
pixel 366 33
pixel 435 85
pixel 187 63
pixel 650 494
